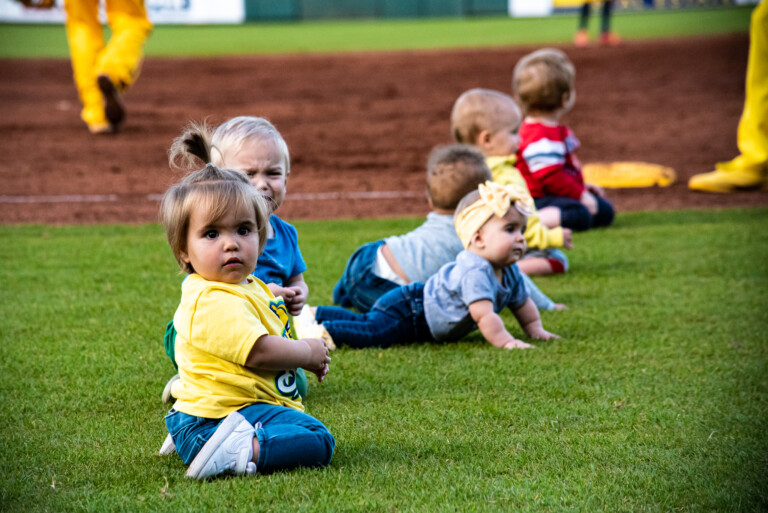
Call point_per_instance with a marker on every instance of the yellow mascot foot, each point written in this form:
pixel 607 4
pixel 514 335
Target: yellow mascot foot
pixel 720 181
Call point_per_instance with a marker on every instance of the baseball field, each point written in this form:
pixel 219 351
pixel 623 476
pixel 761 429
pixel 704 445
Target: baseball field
pixel 655 399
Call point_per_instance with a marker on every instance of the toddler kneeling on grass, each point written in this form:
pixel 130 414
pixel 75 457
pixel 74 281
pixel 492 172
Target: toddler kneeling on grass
pixel 237 409
pixel 464 295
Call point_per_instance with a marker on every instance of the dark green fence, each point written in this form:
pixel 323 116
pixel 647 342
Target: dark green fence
pixel 334 9
pixel 280 10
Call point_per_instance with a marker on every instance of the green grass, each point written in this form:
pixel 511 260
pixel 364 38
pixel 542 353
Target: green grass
pixel 656 398
pixel 22 41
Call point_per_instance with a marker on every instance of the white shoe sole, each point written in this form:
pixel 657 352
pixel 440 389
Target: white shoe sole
pixel 225 429
pixel 167 396
pixel 168 446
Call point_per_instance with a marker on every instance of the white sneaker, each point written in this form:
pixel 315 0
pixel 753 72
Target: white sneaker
pixel 168 446
pixel 229 450
pixel 307 327
pixel 167 396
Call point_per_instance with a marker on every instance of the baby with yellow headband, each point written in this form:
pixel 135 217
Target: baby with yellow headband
pixel 463 295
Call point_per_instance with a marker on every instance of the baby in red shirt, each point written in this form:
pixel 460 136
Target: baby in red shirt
pixel 543 85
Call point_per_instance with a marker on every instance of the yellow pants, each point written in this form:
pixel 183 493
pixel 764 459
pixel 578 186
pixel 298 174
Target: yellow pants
pixel 752 134
pixel 120 59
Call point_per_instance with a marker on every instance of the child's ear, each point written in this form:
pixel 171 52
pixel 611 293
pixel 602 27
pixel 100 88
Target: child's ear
pixel 565 99
pixel 483 139
pixel 477 240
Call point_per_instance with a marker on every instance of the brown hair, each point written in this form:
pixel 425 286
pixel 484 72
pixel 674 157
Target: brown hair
pixel 541 78
pixel 477 110
pixel 215 190
pixel 453 171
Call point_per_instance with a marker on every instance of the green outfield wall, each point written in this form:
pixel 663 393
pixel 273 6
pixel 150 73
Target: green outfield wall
pixel 277 10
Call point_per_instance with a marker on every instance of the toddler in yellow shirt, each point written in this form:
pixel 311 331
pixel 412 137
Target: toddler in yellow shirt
pixel 237 408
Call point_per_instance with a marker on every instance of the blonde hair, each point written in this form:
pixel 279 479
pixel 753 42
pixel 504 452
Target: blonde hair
pixel 452 171
pixel 216 191
pixel 477 110
pixel 541 78
pixel 200 141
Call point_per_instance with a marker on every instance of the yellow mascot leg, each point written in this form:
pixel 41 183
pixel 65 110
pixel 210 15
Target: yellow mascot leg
pixel 750 168
pixel 86 41
pixel 121 59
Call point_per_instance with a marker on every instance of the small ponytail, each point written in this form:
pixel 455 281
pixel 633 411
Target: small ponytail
pixel 191 146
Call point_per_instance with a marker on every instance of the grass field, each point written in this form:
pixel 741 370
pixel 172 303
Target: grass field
pixel 654 400
pixel 50 41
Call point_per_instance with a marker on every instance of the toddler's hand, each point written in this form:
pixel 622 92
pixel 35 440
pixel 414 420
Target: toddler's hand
pixel 567 238
pixel 321 374
pixel 296 301
pixel 560 306
pixel 589 201
pixel 596 190
pixel 518 344
pixel 319 359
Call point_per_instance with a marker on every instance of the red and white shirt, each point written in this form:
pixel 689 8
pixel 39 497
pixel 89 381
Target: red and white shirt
pixel 547 160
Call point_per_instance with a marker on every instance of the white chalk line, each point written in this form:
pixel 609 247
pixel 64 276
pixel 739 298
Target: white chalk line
pixel 302 196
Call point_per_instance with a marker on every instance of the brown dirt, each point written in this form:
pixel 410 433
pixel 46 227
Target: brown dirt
pixel 361 122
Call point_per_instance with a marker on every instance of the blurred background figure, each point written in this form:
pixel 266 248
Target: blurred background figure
pixel 103 71
pixel 607 37
pixel 750 168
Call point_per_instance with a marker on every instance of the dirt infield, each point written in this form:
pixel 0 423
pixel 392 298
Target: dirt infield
pixel 360 125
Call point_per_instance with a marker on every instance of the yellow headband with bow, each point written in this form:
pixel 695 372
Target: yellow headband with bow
pixel 495 200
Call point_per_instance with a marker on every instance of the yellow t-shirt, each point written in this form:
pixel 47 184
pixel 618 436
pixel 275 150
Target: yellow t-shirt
pixel 537 236
pixel 217 325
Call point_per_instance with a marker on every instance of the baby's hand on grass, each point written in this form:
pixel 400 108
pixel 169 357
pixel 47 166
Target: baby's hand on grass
pixel 542 334
pixel 518 344
pixel 560 306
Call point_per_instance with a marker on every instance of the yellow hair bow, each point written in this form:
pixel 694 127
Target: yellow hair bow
pixel 495 200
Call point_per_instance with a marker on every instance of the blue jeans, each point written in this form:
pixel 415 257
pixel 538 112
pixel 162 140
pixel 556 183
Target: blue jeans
pixel 288 438
pixel 396 318
pixel 358 287
pixel 574 214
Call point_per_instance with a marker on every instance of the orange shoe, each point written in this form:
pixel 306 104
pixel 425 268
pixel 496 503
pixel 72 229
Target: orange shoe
pixel 609 39
pixel 581 38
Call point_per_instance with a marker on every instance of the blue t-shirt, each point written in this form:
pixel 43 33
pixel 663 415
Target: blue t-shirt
pixel 448 294
pixel 281 259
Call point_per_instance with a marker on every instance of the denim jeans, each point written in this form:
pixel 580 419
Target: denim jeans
pixel 396 318
pixel 288 438
pixel 574 214
pixel 358 287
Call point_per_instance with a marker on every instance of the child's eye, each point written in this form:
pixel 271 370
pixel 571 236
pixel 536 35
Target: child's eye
pixel 243 231
pixel 211 234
